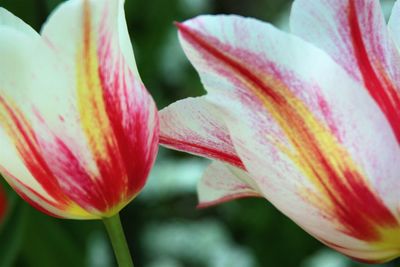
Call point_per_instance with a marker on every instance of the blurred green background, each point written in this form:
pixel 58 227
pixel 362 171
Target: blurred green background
pixel 163 226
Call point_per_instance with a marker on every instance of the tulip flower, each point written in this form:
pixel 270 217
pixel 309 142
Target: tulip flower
pixel 309 120
pixel 78 130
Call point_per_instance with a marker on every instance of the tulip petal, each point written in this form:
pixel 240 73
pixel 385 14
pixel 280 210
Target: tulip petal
pixel 81 111
pixel 354 33
pixel 299 133
pixel 118 116
pixel 222 182
pixel 394 23
pixel 9 20
pixel 21 158
pixel 192 125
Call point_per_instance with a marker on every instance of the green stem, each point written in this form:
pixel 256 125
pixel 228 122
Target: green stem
pixel 118 240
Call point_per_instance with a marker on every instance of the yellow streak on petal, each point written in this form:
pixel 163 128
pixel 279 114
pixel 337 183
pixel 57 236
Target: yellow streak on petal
pixel 117 208
pixel 95 122
pixel 75 211
pixel 323 160
pixel 94 119
pixel 307 135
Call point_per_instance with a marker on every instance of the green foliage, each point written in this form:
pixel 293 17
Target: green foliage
pixel 12 232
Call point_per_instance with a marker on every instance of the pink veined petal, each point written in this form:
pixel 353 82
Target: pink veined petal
pixel 354 33
pixel 86 128
pixel 222 182
pixel 192 125
pixel 318 149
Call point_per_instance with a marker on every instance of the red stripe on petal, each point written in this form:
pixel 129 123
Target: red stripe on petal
pixel 35 204
pixel 376 81
pixel 356 206
pixel 75 178
pixel 126 142
pixel 228 198
pixel 203 150
pixel 109 177
pixel 27 145
pixel 19 187
pixel 77 183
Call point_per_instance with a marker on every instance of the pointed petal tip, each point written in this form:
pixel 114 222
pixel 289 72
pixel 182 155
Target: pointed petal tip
pixel 180 25
pixel 187 26
pixel 201 206
pixel 208 204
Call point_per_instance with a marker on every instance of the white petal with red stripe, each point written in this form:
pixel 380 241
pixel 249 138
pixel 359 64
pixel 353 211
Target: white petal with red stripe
pixel 194 125
pixel 316 147
pixel 222 182
pixel 84 125
pixel 354 34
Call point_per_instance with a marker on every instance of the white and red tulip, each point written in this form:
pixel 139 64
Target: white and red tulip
pixel 78 130
pixel 309 120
